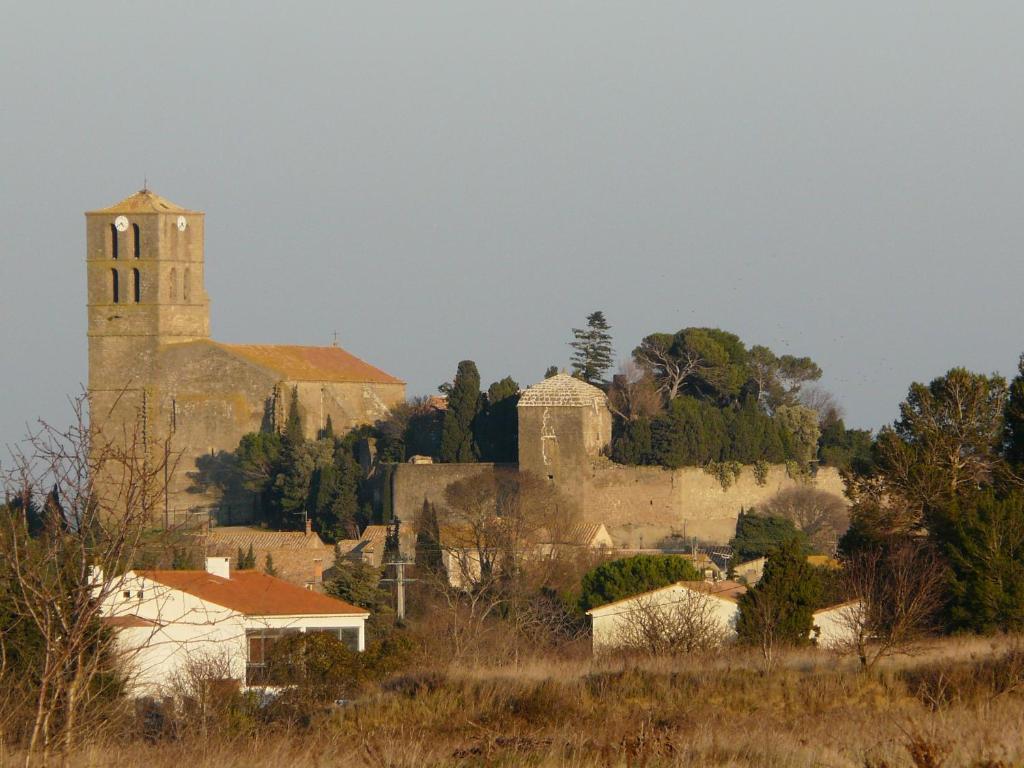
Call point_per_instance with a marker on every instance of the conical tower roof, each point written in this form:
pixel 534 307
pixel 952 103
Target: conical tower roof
pixel 565 390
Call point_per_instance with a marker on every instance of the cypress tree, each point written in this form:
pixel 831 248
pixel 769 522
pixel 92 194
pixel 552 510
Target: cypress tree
pixel 592 355
pixel 268 566
pixel 457 443
pixel 328 430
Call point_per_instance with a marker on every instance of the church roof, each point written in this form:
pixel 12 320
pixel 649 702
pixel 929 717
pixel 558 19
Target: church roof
pixel 297 363
pixel 562 389
pixel 144 201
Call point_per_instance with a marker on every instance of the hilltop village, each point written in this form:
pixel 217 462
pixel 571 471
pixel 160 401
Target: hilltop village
pixel 264 539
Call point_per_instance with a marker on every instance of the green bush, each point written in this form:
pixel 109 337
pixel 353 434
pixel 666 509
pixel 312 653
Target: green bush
pixel 631 576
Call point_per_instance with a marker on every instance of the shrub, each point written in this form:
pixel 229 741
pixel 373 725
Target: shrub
pixel 633 575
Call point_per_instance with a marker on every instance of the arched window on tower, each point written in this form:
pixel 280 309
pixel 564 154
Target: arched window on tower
pixel 114 292
pixel 113 241
pixel 136 285
pixel 137 244
pixel 173 278
pixel 186 288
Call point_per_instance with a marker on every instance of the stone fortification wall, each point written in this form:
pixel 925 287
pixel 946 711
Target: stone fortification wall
pixel 412 483
pixel 643 506
pixel 640 506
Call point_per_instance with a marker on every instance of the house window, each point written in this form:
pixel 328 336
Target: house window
pixel 113 241
pixel 260 644
pixel 137 245
pixel 115 293
pixel 136 285
pixel 127 594
pixel 350 637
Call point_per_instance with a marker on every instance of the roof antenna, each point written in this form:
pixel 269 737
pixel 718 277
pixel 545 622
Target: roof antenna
pixel 145 183
pixel 335 342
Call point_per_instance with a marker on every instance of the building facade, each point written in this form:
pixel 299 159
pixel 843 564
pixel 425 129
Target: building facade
pixel 157 380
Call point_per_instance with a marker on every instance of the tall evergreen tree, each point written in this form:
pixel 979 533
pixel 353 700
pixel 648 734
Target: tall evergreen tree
pixel 1014 419
pixel 328 431
pixel 551 371
pixel 592 349
pixel 497 432
pixel 781 605
pixel 457 442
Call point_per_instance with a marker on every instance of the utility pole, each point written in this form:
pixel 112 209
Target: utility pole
pixel 399 581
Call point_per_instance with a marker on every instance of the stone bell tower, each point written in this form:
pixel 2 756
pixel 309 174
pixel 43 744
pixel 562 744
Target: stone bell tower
pixel 144 264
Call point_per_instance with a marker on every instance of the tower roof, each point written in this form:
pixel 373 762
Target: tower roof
pixel 563 389
pixel 144 201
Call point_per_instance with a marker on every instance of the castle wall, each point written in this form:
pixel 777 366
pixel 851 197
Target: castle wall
pixel 640 506
pixel 414 483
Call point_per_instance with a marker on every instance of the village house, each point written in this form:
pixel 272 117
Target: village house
pixel 170 622
pixel 298 557
pixel 616 624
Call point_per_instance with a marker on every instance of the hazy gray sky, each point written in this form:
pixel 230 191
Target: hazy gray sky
pixel 439 181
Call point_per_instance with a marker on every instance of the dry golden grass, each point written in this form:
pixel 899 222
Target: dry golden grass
pixel 959 703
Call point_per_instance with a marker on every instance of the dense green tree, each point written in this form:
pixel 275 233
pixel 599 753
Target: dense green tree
pixel 629 576
pixel 947 441
pixel 633 443
pixel 1014 418
pixel 551 371
pixel 357 583
pixel 497 425
pixel 845 449
pixel 464 401
pixel 802 424
pixel 776 380
pixel 763 535
pixel 753 435
pixel 702 362
pixel 984 545
pixel 592 349
pixel 691 432
pixel 779 609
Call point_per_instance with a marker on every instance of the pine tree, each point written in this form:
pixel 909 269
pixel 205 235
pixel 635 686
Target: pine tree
pixel 1014 419
pixel 457 443
pixel 779 610
pixel 592 355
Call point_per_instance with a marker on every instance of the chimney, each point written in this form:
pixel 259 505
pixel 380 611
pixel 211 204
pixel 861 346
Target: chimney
pixel 219 566
pixel 318 571
pixel 309 526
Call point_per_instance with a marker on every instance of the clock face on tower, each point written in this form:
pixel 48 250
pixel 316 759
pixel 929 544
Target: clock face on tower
pixel 121 223
pixel 182 223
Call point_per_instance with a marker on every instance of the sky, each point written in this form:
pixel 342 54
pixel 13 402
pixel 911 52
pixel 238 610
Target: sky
pixel 445 181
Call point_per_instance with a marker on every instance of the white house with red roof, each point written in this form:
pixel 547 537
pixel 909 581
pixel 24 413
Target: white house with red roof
pixel 170 622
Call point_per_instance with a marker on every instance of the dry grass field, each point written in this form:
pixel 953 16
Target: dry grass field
pixel 959 702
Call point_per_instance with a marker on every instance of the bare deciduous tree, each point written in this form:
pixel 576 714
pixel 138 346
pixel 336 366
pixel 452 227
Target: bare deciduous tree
pixel 687 624
pixel 633 393
pixel 104 493
pixel 823 516
pixel 896 594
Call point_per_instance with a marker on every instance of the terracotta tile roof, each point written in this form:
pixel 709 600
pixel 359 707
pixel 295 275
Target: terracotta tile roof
pixel 253 593
pixel 144 201
pixel 312 363
pixel 127 621
pixel 562 389
pixel 243 536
